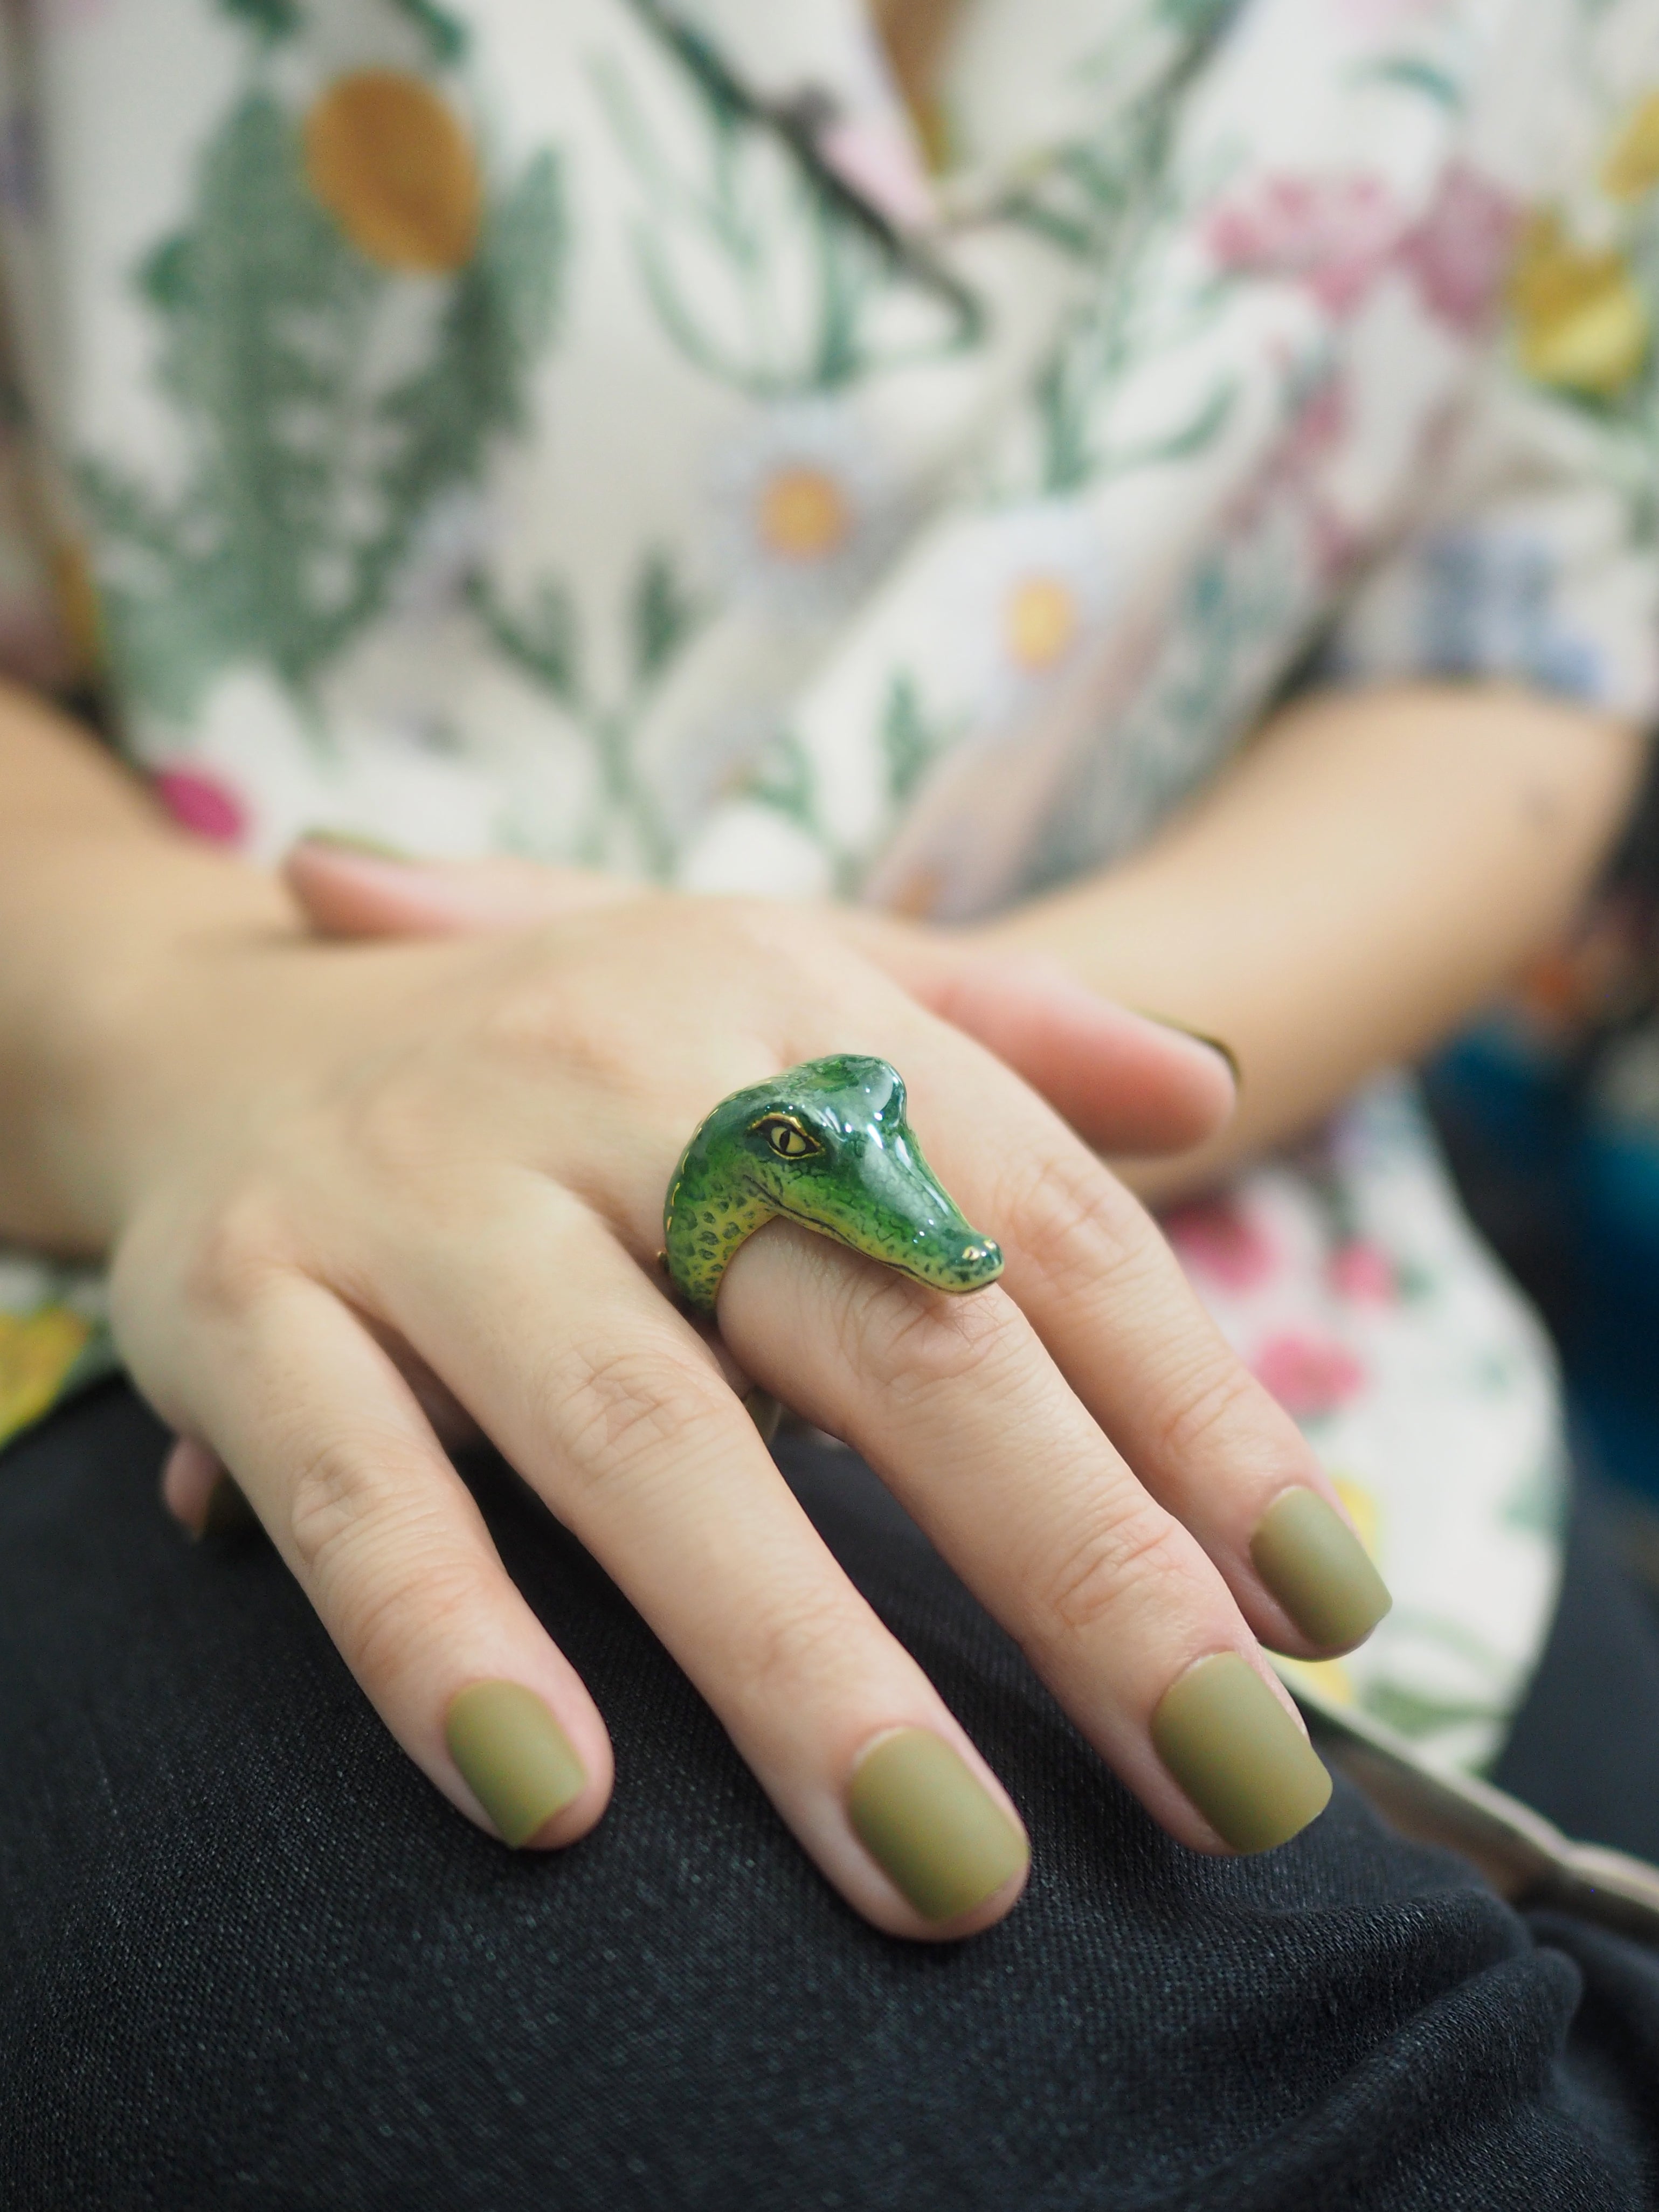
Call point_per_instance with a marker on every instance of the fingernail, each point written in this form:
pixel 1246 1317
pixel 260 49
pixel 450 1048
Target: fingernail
pixel 1239 1754
pixel 1197 1036
pixel 353 840
pixel 1319 1570
pixel 515 1758
pixel 229 1513
pixel 931 1825
pixel 764 1411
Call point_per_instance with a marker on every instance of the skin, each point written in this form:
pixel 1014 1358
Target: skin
pixel 826 1145
pixel 355 1192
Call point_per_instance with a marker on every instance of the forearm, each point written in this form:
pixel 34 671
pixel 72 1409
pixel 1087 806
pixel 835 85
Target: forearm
pixel 1373 869
pixel 97 892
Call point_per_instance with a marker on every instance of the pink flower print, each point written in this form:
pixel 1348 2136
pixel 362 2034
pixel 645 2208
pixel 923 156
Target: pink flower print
pixel 201 804
pixel 1218 1238
pixel 1334 235
pixel 1460 253
pixel 1363 1271
pixel 1309 1375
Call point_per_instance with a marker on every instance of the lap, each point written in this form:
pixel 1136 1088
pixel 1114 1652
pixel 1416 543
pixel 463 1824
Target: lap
pixel 250 1959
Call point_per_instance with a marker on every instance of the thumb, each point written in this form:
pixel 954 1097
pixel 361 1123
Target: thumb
pixel 1127 1082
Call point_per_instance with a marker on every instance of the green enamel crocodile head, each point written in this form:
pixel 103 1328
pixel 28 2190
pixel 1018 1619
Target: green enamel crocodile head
pixel 826 1145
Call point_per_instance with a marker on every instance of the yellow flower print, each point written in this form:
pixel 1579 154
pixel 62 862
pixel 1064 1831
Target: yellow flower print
pixel 1631 166
pixel 1580 322
pixel 37 1350
pixel 392 164
pixel 1040 618
pixel 1324 1678
pixel 1361 1508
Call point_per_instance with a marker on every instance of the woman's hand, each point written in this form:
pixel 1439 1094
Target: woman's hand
pixel 360 1176
pixel 1127 1084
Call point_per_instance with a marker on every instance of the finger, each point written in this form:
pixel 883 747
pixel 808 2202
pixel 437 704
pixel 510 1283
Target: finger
pixel 620 1418
pixel 325 1440
pixel 347 890
pixel 1104 1293
pixel 957 1405
pixel 1126 1083
pixel 190 1476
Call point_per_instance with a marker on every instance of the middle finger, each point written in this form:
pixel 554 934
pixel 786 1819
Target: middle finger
pixel 957 1404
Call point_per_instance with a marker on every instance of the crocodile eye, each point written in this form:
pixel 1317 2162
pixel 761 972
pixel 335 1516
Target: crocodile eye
pixel 787 1138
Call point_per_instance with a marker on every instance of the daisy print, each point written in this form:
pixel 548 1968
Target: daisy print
pixel 1033 590
pixel 806 508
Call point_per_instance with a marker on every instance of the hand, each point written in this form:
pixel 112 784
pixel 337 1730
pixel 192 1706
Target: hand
pixel 354 1176
pixel 1127 1085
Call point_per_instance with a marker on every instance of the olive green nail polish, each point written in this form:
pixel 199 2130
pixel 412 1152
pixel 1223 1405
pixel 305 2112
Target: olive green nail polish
pixel 516 1759
pixel 1239 1754
pixel 928 1821
pixel 1318 1570
pixel 1202 1036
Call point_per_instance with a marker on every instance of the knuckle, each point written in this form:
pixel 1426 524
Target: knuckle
pixel 369 1548
pixel 1075 1223
pixel 1117 1555
pixel 1209 1405
pixel 393 1131
pixel 914 1343
pixel 810 1638
pixel 392 1620
pixel 613 1408
pixel 239 1246
pixel 331 1498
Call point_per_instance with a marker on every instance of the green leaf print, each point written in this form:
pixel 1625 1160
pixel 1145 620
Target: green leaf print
pixel 910 742
pixel 1410 73
pixel 304 478
pixel 1415 1713
pixel 665 615
pixel 756 264
pixel 542 639
pixel 446 37
pixel 443 34
pixel 276 19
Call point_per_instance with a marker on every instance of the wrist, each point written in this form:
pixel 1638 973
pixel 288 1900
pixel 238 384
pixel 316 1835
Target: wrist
pixel 96 1021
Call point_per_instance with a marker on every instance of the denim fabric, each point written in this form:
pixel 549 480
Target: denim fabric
pixel 248 1957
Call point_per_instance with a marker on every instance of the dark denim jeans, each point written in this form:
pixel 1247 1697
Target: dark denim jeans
pixel 249 1959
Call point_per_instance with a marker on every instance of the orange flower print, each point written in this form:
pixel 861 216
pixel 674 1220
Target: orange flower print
pixel 803 513
pixel 391 162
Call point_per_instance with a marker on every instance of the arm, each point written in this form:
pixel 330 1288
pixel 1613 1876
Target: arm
pixel 1370 872
pixel 329 1175
pixel 98 892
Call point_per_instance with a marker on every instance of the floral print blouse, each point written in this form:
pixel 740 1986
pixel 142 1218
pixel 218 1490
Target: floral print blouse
pixel 617 431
